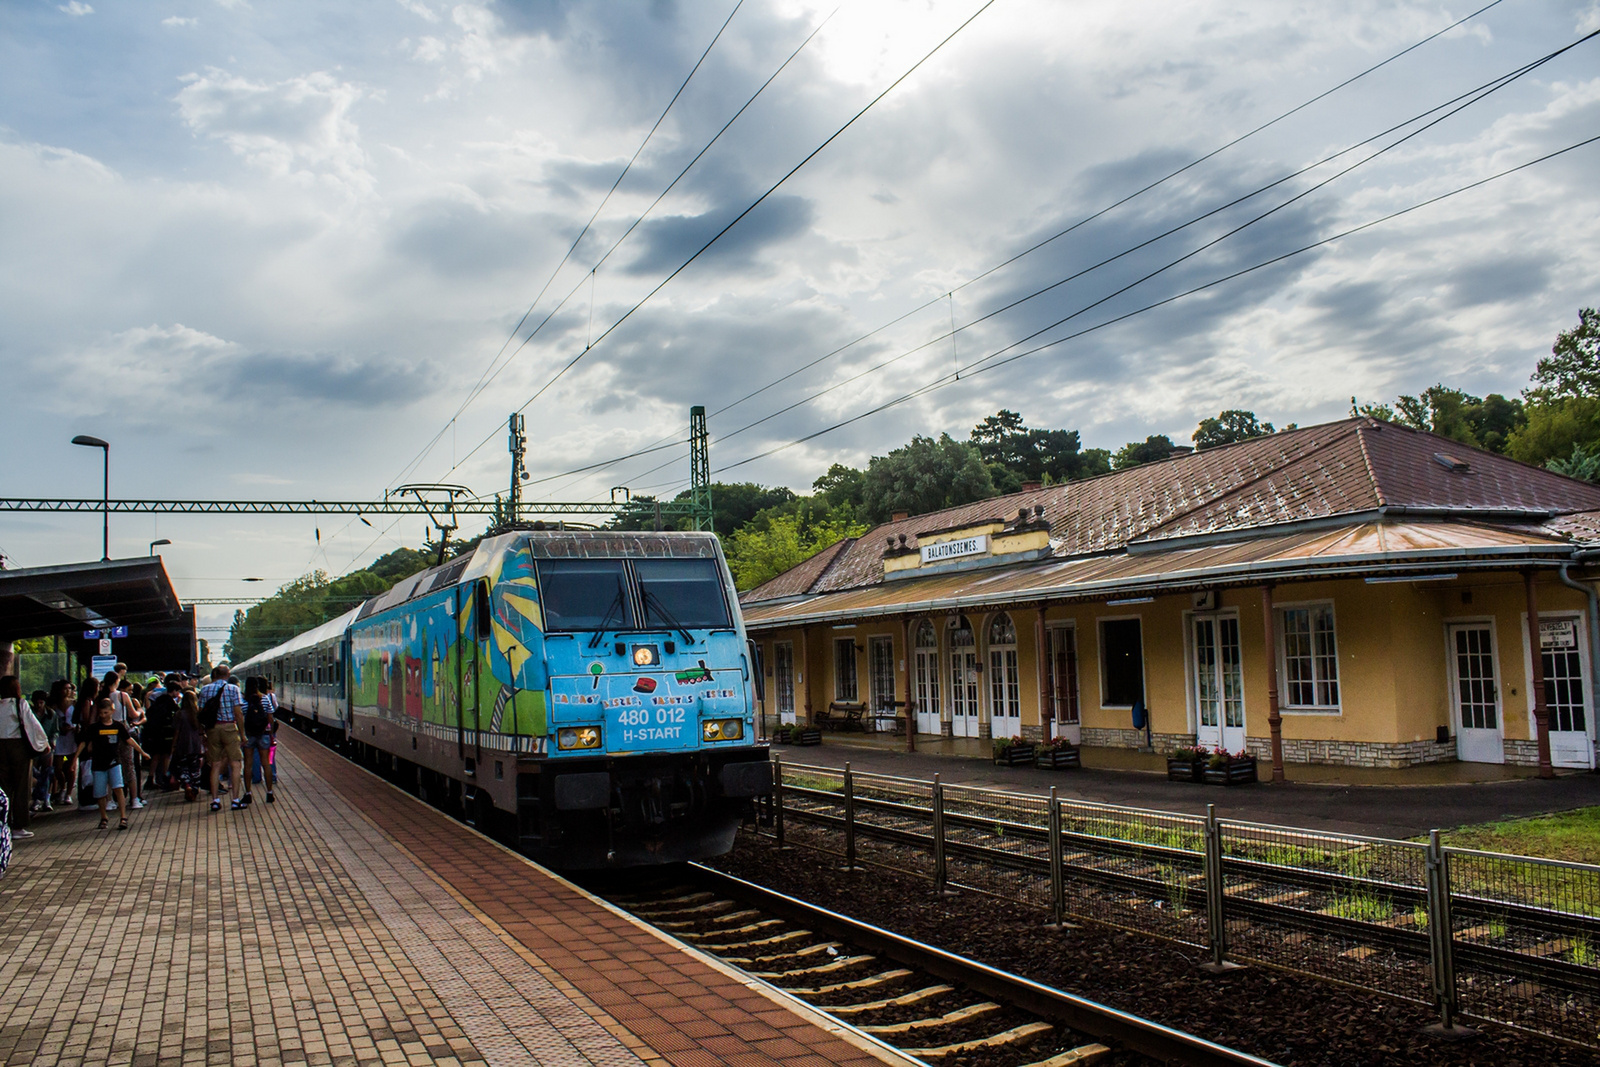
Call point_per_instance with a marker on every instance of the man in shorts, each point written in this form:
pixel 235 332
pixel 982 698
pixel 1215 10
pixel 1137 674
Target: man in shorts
pixel 223 707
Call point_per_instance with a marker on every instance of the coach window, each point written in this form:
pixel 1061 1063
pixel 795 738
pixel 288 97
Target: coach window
pixel 845 687
pixel 1121 663
pixel 585 594
pixel 682 592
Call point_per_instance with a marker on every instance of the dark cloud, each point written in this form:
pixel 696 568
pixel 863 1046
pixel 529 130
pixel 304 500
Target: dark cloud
pixel 667 242
pixel 1498 280
pixel 334 380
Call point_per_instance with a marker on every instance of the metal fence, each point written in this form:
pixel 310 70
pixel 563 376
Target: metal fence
pixel 1505 939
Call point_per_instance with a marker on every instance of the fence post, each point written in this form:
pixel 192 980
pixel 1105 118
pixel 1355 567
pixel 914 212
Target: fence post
pixel 849 820
pixel 777 798
pixel 1058 890
pixel 1216 915
pixel 1441 940
pixel 938 837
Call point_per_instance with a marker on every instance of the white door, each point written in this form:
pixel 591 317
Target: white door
pixel 1005 679
pixel 783 680
pixel 1561 639
pixel 1218 682
pixel 1476 693
pixel 880 680
pixel 963 681
pixel 1061 650
pixel 926 667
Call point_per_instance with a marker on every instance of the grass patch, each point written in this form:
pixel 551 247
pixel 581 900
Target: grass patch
pixel 1573 836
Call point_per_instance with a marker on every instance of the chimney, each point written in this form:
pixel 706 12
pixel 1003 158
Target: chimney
pixel 900 516
pixel 1028 487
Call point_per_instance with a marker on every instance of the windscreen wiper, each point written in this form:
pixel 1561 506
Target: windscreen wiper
pixel 616 602
pixel 672 619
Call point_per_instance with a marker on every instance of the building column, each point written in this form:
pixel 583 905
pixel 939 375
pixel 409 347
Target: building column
pixel 1541 710
pixel 805 671
pixel 911 697
pixel 8 663
pixel 1274 716
pixel 1047 704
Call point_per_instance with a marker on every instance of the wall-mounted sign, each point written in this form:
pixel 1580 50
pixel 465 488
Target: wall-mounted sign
pixel 105 646
pixel 96 635
pixel 1558 633
pixel 100 666
pixel 965 546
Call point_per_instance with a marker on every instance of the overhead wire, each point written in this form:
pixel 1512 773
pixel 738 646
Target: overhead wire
pixel 1056 235
pixel 757 202
pixel 986 365
pixel 1462 100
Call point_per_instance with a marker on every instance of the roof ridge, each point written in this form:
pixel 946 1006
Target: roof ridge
pixel 840 547
pixel 1248 482
pixel 1366 458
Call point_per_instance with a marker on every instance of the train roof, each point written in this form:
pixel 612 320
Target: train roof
pixel 315 636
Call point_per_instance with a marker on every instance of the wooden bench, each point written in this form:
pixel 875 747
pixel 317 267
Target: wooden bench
pixel 842 716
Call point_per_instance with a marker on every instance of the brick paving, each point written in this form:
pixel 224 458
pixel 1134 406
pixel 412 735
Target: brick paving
pixel 349 924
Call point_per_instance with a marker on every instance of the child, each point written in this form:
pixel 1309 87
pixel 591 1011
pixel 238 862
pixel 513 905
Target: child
pixel 104 738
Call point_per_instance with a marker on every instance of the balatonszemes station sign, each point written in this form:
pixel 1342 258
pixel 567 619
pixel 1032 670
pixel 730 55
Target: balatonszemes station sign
pixel 962 546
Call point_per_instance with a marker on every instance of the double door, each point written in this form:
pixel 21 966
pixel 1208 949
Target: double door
pixel 926 665
pixel 1217 682
pixel 964 691
pixel 1563 646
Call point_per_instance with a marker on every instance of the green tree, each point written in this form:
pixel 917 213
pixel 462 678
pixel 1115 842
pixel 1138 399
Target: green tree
pixel 1583 463
pixel 1554 429
pixel 1016 454
pixel 926 475
pixel 1572 370
pixel 1230 426
pixel 842 486
pixel 762 550
pixel 1136 453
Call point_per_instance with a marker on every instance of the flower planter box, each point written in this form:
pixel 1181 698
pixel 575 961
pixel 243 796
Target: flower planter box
pixel 1056 758
pixel 1186 770
pixel 1238 772
pixel 811 735
pixel 1015 756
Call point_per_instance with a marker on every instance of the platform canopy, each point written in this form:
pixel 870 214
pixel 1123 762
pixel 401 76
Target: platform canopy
pixel 74 597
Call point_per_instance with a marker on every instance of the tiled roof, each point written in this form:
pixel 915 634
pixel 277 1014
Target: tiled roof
pixel 1318 472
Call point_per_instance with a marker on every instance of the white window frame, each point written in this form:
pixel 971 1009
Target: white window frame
pixel 1077 664
pixel 1100 661
pixel 874 643
pixel 1008 678
pixel 1282 639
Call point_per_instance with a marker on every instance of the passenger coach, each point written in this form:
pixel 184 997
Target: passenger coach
pixel 587 696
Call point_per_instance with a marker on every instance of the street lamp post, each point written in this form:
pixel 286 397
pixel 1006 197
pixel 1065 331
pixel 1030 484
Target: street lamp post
pixel 153 544
pixel 95 442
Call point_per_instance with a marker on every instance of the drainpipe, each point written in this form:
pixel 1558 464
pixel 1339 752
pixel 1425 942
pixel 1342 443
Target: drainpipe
pixel 1274 715
pixel 911 692
pixel 1587 589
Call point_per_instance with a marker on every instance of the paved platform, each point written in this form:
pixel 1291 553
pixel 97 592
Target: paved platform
pixel 1383 804
pixel 350 924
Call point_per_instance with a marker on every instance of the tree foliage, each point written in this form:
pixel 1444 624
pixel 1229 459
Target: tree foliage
pixel 1483 422
pixel 1230 426
pixel 313 599
pixel 785 537
pixel 1136 453
pixel 1016 455
pixel 925 475
pixel 1572 370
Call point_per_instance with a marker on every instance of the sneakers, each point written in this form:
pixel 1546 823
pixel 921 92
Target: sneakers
pixel 269 796
pixel 111 806
pixel 21 835
pixel 48 806
pixel 139 802
pixel 216 805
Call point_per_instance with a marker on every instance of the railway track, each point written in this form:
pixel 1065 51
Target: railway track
pixel 926 1003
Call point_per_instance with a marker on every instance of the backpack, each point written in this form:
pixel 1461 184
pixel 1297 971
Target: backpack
pixel 256 718
pixel 212 707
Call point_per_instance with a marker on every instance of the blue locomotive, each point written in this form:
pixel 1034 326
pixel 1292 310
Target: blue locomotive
pixel 586 696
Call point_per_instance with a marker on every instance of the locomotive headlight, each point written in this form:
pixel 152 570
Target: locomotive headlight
pixel 645 656
pixel 722 729
pixel 571 737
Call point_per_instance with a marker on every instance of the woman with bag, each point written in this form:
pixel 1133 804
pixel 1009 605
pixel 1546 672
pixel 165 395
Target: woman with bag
pixel 188 746
pixel 21 741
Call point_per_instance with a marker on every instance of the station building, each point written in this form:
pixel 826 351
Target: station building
pixel 1351 593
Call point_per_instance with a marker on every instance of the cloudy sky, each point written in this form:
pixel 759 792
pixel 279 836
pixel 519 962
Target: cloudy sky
pixel 271 249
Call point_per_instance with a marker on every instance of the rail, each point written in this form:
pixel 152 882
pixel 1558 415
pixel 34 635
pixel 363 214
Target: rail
pixel 1510 940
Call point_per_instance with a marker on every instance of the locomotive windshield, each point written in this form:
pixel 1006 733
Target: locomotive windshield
pixel 585 594
pixel 681 592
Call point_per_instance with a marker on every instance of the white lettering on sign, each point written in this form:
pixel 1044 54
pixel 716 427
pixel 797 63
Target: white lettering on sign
pixel 965 546
pixel 653 733
pixel 1558 633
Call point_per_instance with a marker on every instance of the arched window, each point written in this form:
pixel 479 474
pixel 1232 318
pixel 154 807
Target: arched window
pixel 1005 680
pixel 926 637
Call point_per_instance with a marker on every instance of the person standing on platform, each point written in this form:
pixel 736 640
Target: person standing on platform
pixel 82 716
pixel 105 741
pixel 220 710
pixel 188 746
pixel 63 697
pixel 16 756
pixel 258 721
pixel 44 764
pixel 161 718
